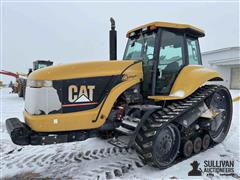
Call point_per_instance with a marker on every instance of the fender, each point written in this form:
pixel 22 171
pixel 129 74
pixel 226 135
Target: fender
pixel 131 76
pixel 189 79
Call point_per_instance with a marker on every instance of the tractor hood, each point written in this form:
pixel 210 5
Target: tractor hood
pixel 77 87
pixel 81 70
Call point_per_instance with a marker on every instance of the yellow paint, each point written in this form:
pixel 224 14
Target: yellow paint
pixel 164 98
pixel 78 70
pixel 170 25
pixel 188 81
pixel 85 119
pixel 67 121
pixel 236 99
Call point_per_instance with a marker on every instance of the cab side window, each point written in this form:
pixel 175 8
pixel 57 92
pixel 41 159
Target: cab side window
pixel 193 51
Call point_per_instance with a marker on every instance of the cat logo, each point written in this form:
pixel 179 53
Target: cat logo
pixel 80 96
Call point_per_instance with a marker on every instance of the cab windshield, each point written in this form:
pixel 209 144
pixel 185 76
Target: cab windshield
pixel 141 48
pixel 42 66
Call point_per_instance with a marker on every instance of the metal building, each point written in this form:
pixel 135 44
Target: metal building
pixel 227 62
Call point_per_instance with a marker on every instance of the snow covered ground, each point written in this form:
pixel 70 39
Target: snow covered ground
pixel 96 159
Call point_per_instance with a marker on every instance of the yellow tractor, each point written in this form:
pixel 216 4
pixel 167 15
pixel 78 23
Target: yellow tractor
pixel 156 100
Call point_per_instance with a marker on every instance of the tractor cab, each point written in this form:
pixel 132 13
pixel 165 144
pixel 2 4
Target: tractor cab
pixel 41 64
pixel 164 49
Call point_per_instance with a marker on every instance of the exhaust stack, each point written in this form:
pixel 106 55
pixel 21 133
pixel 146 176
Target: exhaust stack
pixel 112 41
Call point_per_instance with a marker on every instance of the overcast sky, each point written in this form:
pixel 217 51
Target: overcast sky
pixel 74 32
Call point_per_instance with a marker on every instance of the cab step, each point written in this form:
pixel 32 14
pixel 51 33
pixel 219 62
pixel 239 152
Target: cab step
pixel 121 141
pixel 124 131
pixel 129 124
pixel 127 127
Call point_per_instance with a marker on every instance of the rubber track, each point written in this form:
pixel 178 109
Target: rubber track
pixel 160 118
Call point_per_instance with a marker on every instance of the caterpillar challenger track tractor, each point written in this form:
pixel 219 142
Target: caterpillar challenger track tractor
pixel 156 100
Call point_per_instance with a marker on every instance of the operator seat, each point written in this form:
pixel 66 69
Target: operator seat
pixel 169 73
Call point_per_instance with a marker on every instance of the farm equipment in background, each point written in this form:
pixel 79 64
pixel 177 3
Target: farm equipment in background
pixel 16 86
pixel 38 64
pixel 41 64
pixel 155 100
pixel 19 86
pixel 1 84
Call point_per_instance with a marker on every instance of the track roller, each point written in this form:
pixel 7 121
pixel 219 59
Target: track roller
pixel 197 145
pixel 188 148
pixel 206 141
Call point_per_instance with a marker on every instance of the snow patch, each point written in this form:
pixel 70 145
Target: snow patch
pixel 179 93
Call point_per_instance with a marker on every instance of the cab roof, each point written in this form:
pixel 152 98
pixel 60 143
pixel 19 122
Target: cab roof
pixel 188 28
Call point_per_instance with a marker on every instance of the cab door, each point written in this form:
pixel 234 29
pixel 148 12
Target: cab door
pixel 148 64
pixel 170 61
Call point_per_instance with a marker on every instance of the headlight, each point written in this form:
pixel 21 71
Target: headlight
pixel 39 83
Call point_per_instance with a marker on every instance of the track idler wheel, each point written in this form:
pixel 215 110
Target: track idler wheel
pixel 188 148
pixel 206 141
pixel 197 145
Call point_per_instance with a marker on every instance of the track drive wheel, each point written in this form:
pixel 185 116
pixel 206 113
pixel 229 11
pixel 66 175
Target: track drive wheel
pixel 161 148
pixel 220 104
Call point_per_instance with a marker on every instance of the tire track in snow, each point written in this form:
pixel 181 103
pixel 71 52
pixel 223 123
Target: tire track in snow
pixel 112 161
